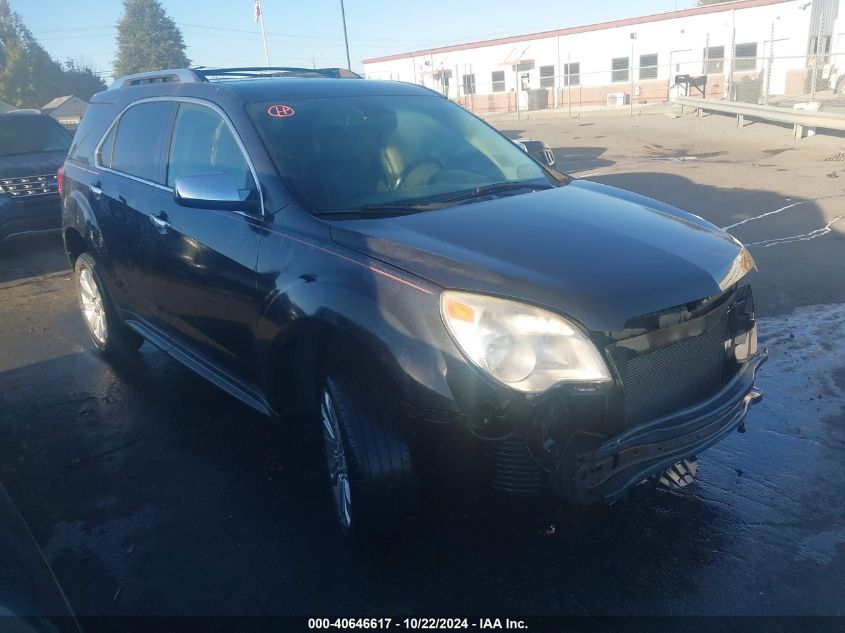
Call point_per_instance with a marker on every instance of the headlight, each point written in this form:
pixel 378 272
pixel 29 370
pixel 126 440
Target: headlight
pixel 523 347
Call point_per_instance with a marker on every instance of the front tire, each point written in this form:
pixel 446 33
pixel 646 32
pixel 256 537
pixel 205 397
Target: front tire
pixel 108 333
pixel 374 485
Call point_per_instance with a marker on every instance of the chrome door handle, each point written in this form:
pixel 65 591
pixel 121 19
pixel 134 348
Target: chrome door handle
pixel 95 190
pixel 160 223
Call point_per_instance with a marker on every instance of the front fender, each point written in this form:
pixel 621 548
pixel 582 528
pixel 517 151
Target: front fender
pixel 396 327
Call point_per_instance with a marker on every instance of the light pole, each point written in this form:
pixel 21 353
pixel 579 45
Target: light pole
pixel 631 71
pixel 345 36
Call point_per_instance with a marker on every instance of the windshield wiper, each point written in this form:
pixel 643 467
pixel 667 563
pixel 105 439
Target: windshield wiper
pixel 498 187
pixel 385 208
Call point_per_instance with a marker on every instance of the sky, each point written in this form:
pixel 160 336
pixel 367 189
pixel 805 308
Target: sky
pixel 310 32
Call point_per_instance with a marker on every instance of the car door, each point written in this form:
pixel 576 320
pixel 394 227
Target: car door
pixel 206 291
pixel 131 161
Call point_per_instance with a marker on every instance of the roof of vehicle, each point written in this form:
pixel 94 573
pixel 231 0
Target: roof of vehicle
pixel 24 113
pixel 261 84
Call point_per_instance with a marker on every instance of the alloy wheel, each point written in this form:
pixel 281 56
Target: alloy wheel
pixel 93 310
pixel 336 460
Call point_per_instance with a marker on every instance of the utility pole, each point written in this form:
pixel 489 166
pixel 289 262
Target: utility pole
pixel 345 36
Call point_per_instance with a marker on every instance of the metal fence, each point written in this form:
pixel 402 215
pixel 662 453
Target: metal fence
pixel 771 80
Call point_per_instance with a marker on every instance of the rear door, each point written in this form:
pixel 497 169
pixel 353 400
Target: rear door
pixel 205 259
pixel 132 161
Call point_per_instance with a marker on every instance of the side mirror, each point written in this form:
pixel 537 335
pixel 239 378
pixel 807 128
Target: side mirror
pixel 212 190
pixel 520 145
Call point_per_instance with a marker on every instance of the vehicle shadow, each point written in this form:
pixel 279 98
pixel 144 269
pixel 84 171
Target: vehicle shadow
pixel 574 160
pixel 32 255
pixel 771 225
pixel 571 159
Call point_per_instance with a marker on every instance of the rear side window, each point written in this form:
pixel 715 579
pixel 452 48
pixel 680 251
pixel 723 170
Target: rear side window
pixel 203 143
pixel 141 135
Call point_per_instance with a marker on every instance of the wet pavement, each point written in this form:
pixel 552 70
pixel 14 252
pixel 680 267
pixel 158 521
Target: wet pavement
pixel 151 492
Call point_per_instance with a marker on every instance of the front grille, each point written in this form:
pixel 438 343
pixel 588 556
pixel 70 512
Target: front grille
pixel 30 186
pixel 675 377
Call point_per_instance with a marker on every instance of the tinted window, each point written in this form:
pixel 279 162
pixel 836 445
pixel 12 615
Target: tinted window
pixel 141 132
pixel 343 153
pixel 203 143
pixel 105 154
pixel 30 134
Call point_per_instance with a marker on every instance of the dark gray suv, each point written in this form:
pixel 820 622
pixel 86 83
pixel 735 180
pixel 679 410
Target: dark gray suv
pixel 32 148
pixel 374 253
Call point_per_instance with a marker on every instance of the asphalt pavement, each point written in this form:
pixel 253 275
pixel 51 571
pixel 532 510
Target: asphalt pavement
pixel 151 492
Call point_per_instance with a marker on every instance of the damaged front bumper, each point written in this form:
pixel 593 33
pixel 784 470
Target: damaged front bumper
pixel 609 471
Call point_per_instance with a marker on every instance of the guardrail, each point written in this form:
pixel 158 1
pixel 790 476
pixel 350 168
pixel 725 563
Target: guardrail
pixel 802 121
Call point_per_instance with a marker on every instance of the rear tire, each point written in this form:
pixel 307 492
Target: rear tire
pixel 108 333
pixel 373 481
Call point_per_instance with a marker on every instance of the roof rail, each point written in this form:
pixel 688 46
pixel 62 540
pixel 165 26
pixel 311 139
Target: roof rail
pixel 182 75
pixel 201 74
pixel 259 72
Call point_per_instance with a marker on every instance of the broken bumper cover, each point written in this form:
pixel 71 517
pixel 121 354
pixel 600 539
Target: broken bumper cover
pixel 608 472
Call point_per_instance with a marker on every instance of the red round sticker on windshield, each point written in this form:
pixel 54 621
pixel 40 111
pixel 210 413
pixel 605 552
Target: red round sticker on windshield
pixel 280 111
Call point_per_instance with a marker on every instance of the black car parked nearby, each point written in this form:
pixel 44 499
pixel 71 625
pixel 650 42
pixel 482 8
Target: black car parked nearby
pixel 32 148
pixel 379 254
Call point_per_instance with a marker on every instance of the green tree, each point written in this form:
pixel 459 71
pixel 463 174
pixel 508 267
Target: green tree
pixel 79 80
pixel 29 77
pixel 147 39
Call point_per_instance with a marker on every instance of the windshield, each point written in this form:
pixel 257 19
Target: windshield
pixel 31 134
pixel 356 152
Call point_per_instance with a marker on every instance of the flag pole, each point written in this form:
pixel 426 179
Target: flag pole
pixel 345 36
pixel 259 14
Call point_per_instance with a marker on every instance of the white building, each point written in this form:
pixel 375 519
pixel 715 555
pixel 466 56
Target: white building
pixel 731 43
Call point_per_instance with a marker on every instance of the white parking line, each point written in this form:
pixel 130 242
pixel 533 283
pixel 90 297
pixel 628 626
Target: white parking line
pixel 797 238
pixel 763 215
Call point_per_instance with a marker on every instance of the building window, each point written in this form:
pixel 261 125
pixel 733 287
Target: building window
pixel 619 68
pixel 441 79
pixel 469 84
pixel 714 60
pixel 745 56
pixel 498 81
pixel 648 66
pixel 572 74
pixel 547 76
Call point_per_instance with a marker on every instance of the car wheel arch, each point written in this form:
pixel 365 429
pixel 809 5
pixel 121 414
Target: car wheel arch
pixel 300 352
pixel 75 245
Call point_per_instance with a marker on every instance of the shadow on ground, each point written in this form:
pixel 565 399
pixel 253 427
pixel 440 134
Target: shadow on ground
pixel 30 256
pixel 792 272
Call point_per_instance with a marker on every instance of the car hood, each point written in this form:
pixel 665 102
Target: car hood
pixel 596 253
pixel 37 164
